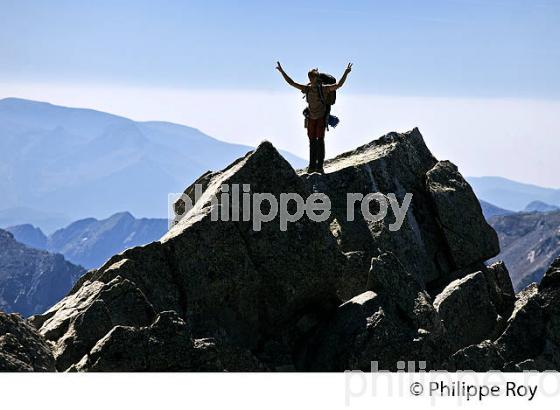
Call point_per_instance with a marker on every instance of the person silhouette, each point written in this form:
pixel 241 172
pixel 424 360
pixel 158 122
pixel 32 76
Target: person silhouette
pixel 317 111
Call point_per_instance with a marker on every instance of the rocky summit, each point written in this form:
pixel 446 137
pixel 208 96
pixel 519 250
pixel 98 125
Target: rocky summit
pixel 319 296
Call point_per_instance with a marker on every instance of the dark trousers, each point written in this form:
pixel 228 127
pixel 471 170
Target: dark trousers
pixel 316 153
pixel 316 134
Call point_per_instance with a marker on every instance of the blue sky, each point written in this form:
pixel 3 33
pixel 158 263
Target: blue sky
pixel 479 78
pixel 432 48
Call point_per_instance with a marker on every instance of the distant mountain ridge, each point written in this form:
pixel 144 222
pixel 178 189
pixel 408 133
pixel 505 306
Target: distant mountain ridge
pixel 508 194
pixel 32 280
pixel 29 235
pixel 90 242
pixel 82 163
pixel 529 243
pixel 539 206
pixel 489 210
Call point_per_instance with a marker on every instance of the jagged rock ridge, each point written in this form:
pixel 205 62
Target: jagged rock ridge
pixel 332 296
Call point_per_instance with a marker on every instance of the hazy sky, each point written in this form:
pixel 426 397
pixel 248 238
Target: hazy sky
pixel 478 77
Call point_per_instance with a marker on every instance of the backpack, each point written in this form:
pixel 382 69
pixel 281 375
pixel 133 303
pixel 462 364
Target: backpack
pixel 327 100
pixel 327 79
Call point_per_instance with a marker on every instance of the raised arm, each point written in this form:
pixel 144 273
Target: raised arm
pixel 288 79
pixel 342 79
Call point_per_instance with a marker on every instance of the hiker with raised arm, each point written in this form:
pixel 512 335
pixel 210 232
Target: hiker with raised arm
pixel 320 93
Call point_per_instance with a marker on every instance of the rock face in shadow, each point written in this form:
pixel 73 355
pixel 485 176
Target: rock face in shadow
pixel 433 240
pixel 164 345
pixel 394 322
pixel 531 340
pixel 459 215
pixel 322 296
pixel 531 337
pixel 76 323
pixel 395 163
pixel 467 311
pixel 22 349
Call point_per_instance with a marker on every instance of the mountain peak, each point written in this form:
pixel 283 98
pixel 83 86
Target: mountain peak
pixel 29 235
pixel 540 206
pixel 125 215
pixel 285 287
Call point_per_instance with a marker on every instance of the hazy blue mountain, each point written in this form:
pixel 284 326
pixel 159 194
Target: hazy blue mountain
pixel 539 206
pixel 490 210
pixel 32 280
pixel 513 195
pixel 91 242
pixel 29 235
pixel 85 163
pixel 529 243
